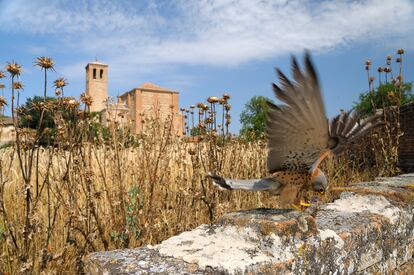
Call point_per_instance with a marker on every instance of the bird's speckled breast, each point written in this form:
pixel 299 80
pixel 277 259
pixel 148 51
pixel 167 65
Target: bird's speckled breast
pixel 292 177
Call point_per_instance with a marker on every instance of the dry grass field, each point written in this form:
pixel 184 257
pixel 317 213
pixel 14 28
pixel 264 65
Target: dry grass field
pixel 93 197
pixel 88 189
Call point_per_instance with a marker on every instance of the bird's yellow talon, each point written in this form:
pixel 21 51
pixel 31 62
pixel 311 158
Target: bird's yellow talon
pixel 300 206
pixel 304 204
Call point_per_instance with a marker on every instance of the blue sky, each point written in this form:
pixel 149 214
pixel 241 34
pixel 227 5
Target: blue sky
pixel 206 47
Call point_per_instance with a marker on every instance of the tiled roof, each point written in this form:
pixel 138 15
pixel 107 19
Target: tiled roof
pixel 152 86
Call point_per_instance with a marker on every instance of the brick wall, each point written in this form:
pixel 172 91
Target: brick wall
pixel 406 147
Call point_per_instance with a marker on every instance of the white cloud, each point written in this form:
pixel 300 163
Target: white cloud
pixel 216 32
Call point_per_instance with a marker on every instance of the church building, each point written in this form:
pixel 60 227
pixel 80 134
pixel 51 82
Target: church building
pixel 132 107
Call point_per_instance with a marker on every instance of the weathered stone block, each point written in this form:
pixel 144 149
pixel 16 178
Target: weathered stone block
pixel 368 229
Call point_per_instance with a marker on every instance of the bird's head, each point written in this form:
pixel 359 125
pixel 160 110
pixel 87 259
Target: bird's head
pixel 319 181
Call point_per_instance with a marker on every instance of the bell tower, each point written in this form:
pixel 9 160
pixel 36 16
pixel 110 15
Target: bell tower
pixel 97 85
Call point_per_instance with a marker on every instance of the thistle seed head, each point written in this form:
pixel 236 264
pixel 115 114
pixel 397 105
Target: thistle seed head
pixel 86 99
pixel 226 96
pixel 3 101
pixel 371 79
pixel 60 82
pixel 45 63
pixel 212 99
pixel 400 51
pixel 17 85
pixel 13 68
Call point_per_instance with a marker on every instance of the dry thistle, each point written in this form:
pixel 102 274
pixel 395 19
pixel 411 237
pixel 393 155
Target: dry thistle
pixel 380 69
pixel 3 101
pixel 2 86
pixel 13 68
pixel 200 105
pixel 72 102
pixel 17 85
pixel 86 99
pixel 388 60
pixel 2 74
pixel 400 51
pixel 20 111
pixel 45 63
pixel 226 96
pixel 212 99
pixel 368 64
pixel 60 82
pixel 371 79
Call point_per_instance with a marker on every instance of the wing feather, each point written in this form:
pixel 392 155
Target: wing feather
pixel 297 131
pixel 349 126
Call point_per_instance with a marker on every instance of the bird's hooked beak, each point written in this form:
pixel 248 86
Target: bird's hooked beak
pixel 319 181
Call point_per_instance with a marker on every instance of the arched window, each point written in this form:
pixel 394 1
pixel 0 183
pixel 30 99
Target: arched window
pixel 94 73
pixel 101 74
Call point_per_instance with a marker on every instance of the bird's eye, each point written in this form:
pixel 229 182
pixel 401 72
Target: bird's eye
pixel 321 191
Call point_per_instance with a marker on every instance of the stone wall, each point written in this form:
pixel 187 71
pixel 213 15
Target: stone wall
pixel 152 101
pixel 406 146
pixel 369 228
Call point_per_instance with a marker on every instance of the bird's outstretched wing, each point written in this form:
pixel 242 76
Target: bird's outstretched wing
pixel 349 126
pixel 297 131
pixel 299 135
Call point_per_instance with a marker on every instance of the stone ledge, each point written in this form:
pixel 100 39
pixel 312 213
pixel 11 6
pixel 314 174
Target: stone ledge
pixel 367 230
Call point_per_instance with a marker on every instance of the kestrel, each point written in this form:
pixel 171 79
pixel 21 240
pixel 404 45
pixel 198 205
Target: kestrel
pixel 300 137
